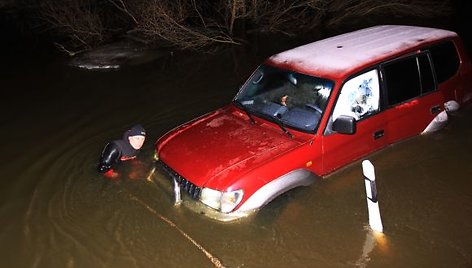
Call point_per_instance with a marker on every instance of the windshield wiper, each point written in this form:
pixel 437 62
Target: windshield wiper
pixel 246 111
pixel 279 122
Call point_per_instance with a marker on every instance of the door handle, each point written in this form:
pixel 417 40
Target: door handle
pixel 435 109
pixel 379 134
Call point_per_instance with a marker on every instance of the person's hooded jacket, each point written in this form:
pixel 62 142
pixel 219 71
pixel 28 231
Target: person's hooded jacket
pixel 119 150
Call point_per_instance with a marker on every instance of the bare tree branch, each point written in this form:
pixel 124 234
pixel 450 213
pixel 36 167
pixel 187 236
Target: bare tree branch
pixel 120 4
pixel 191 24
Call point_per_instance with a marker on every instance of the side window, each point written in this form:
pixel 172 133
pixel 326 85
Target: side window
pixel 445 60
pixel 408 78
pixel 402 80
pixel 426 74
pixel 359 96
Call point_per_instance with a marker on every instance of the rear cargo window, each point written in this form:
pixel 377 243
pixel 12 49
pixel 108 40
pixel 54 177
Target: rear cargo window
pixel 445 60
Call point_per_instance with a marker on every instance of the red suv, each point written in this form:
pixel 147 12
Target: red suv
pixel 310 110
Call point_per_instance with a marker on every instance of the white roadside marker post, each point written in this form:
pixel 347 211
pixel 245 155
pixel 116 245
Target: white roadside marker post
pixel 177 197
pixel 375 221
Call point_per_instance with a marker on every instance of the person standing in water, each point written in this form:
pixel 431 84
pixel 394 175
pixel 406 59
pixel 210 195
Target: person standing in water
pixel 121 150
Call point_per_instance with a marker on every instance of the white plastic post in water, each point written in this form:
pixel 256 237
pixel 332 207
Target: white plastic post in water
pixel 375 221
pixel 177 197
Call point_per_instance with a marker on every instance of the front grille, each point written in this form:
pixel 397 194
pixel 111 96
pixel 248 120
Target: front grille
pixel 191 189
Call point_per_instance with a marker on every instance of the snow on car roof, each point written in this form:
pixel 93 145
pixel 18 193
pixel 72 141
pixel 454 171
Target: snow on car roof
pixel 336 55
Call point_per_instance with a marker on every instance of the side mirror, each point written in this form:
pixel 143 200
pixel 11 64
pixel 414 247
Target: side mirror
pixel 344 124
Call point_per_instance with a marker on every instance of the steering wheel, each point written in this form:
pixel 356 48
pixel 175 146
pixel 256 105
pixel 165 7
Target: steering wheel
pixel 314 107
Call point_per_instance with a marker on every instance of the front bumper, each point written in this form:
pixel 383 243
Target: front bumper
pixel 192 193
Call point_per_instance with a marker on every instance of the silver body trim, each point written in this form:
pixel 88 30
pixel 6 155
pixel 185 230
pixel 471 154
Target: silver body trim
pixel 293 179
pixel 437 123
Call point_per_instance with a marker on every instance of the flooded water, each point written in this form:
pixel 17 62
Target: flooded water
pixel 57 211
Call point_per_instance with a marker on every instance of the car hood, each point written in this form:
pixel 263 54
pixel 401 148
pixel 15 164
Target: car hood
pixel 219 148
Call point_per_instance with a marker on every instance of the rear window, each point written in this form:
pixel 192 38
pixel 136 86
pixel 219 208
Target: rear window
pixel 445 60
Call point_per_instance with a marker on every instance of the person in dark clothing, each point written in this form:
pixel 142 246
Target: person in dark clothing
pixel 121 150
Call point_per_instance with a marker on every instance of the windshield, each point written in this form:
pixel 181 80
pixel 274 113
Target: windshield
pixel 295 100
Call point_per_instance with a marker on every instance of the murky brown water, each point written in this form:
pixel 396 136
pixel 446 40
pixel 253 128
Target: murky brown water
pixel 57 211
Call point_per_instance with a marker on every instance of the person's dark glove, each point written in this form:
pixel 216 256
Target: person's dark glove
pixel 110 156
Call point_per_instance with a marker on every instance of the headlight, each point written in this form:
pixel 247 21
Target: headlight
pixel 156 155
pixel 222 201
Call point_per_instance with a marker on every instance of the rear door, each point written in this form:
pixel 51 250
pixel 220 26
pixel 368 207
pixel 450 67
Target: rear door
pixel 360 98
pixel 412 98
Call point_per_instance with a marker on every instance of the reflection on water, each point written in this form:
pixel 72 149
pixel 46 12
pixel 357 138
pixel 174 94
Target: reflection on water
pixel 373 240
pixel 56 211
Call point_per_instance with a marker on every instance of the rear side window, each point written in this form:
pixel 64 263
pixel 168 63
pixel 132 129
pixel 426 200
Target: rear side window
pixel 408 78
pixel 402 80
pixel 426 74
pixel 445 60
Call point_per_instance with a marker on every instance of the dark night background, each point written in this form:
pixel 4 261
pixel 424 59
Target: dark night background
pixel 25 27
